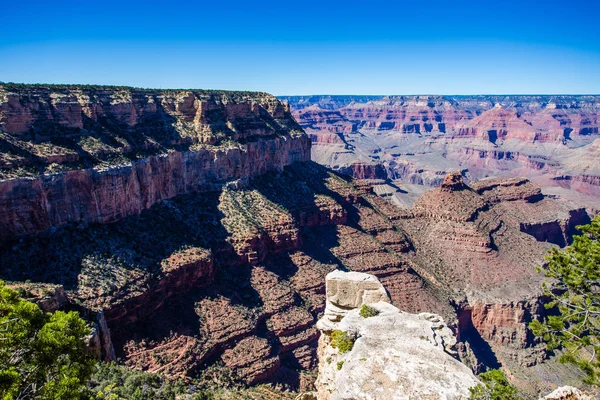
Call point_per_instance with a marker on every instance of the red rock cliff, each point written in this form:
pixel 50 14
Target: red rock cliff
pixel 121 150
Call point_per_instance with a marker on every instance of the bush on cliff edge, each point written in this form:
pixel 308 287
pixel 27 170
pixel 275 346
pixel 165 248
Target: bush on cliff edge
pixel 494 386
pixel 575 292
pixel 42 355
pixel 342 341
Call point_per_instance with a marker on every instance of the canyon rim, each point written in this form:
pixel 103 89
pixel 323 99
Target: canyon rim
pixel 193 232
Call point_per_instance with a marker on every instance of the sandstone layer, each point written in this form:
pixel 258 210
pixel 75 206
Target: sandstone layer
pixel 552 140
pixel 113 152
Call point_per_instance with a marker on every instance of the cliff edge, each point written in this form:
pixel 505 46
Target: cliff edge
pixel 98 154
pixel 380 352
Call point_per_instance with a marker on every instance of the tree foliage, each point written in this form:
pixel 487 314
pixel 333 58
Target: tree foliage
pixel 575 293
pixel 494 386
pixel 116 382
pixel 42 355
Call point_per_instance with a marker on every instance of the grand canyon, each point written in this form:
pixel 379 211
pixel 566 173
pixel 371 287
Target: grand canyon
pixel 414 141
pixel 194 230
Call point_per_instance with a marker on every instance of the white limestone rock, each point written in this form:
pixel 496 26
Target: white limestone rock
pixel 346 291
pixel 396 355
pixel 568 393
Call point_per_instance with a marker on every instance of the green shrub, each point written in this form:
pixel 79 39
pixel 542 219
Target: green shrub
pixel 494 386
pixel 112 381
pixel 42 355
pixel 368 311
pixel 342 341
pixel 340 364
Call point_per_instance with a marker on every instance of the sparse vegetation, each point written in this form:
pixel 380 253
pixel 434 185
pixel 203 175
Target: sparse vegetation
pixel 16 87
pixel 111 381
pixel 575 294
pixel 342 341
pixel 367 311
pixel 494 386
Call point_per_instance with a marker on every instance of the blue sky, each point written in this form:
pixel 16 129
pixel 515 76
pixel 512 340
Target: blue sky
pixel 308 47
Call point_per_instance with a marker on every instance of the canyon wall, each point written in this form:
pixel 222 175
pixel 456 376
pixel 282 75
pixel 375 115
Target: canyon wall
pixel 196 226
pixel 234 279
pixel 416 140
pixel 190 142
pixel 107 195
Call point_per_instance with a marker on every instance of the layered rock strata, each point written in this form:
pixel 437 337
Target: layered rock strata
pixel 472 240
pixel 228 280
pixel 130 149
pixel 200 279
pixel 194 282
pixel 418 139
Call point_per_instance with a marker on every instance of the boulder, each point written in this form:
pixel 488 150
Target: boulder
pixel 346 291
pixel 567 393
pixel 395 355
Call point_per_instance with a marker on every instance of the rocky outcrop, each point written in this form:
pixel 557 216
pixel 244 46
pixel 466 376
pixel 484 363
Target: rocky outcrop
pixel 393 355
pixel 48 297
pixel 100 340
pixel 567 393
pixel 365 171
pixel 508 189
pixel 346 291
pixel 180 273
pixel 559 230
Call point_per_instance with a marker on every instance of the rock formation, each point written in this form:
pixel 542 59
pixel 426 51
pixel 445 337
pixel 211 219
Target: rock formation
pixel 394 355
pixel 567 393
pixel 201 279
pixel 48 297
pixel 418 139
pixel 100 133
pixel 196 226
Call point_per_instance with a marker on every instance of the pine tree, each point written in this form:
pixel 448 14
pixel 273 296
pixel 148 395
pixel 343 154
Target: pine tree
pixel 42 355
pixel 575 292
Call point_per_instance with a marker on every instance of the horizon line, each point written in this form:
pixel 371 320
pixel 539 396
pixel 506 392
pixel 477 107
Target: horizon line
pixel 297 95
pixel 439 94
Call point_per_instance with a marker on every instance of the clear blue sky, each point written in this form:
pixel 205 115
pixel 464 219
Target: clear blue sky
pixel 307 47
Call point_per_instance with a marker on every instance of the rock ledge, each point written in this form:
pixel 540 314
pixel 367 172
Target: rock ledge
pixel 396 355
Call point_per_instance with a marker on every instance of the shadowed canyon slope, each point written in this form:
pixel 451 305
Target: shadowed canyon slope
pixel 553 140
pixel 195 227
pixel 94 154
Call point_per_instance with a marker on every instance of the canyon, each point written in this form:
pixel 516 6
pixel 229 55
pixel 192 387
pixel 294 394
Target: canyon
pixel 414 141
pixel 193 229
